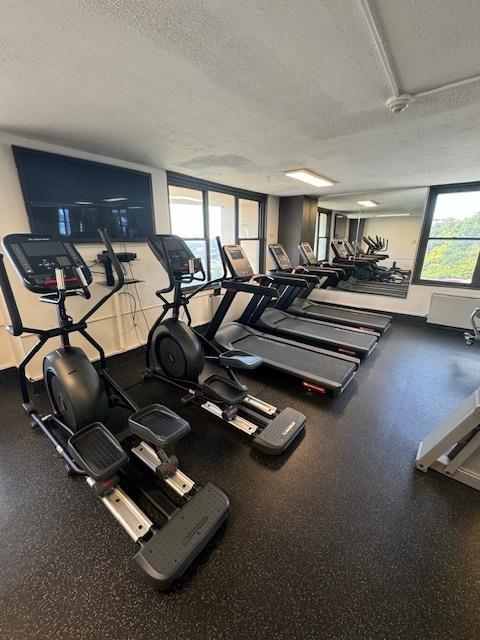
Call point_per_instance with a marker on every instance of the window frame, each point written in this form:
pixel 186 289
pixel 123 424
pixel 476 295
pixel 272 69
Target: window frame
pixel 425 236
pixel 328 213
pixel 204 186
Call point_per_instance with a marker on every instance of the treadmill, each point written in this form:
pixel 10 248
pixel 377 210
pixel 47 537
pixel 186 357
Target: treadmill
pixel 259 315
pixel 367 320
pixel 319 370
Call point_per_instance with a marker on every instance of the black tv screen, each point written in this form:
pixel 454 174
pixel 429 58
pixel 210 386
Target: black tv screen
pixel 73 197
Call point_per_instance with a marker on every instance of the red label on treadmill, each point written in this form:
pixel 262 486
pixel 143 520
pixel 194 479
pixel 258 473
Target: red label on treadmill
pixel 347 352
pixel 313 387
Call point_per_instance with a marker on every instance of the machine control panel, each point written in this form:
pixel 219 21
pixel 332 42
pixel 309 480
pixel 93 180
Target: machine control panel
pixel 174 251
pixel 308 252
pixel 36 258
pixel 281 257
pixel 237 261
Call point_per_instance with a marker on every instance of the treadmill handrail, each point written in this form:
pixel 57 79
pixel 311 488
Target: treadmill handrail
pixel 293 276
pixel 246 287
pixel 298 280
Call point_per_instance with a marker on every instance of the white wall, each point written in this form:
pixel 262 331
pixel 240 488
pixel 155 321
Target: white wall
pixel 417 302
pixel 402 234
pixel 112 325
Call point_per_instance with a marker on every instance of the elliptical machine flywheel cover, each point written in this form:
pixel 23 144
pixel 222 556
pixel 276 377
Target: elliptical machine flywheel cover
pixel 178 353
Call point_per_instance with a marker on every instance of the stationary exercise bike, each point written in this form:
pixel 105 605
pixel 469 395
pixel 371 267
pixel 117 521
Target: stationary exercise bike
pixel 177 354
pixel 120 463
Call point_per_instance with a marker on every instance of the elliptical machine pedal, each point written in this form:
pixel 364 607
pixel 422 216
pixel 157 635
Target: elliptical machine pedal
pixel 97 451
pixel 158 425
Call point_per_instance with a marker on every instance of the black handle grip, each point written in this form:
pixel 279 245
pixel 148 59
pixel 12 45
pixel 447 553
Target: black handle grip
pixel 291 279
pixel 257 289
pixel 113 258
pixel 16 327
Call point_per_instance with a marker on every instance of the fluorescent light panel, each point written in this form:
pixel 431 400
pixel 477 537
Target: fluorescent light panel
pixel 309 177
pixel 392 215
pixel 367 203
pixel 114 199
pixel 189 198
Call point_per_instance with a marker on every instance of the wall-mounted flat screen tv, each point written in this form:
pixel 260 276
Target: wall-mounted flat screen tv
pixel 73 197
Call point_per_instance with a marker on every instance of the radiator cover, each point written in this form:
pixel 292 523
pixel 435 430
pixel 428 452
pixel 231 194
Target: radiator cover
pixel 452 311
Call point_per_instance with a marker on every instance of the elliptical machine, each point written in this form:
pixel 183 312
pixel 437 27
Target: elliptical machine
pixel 117 464
pixel 176 355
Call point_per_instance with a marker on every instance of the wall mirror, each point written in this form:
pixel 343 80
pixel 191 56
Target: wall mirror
pixel 379 232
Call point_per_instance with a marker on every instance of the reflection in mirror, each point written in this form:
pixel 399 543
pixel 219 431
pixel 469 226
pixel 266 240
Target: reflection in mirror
pixel 378 236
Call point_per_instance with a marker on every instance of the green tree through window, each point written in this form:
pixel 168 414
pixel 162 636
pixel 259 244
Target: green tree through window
pixel 453 245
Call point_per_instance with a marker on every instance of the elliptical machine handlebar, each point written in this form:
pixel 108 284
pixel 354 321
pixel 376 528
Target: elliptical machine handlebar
pixel 118 270
pixel 114 260
pixel 16 326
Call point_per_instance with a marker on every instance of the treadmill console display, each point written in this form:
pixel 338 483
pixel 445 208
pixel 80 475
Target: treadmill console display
pixel 238 262
pixel 308 253
pixel 35 259
pixel 281 257
pixel 339 249
pixel 174 251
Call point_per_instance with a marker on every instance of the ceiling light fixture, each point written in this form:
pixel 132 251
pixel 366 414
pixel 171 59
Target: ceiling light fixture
pixel 392 215
pixel 189 198
pixel 82 202
pixel 310 177
pixel 367 203
pixel 114 199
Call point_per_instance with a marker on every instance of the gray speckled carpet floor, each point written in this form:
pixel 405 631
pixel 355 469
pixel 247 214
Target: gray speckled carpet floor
pixel 340 539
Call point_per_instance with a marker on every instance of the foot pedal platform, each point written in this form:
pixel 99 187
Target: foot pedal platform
pixel 237 359
pixel 97 451
pixel 171 549
pixel 281 432
pixel 158 425
pixel 223 390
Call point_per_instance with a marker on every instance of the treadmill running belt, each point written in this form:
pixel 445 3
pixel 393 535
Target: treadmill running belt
pixel 297 326
pixel 334 314
pixel 306 363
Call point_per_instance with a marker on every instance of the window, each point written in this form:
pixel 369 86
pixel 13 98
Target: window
pixel 321 234
pixel 249 230
pixel 200 211
pixel 450 243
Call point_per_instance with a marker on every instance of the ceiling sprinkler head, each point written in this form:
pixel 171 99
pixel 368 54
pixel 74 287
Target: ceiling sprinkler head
pixel 397 104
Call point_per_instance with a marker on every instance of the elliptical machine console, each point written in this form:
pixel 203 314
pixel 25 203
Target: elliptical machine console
pixel 117 460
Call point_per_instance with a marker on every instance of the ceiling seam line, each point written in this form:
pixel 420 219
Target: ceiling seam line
pixel 378 40
pixel 449 85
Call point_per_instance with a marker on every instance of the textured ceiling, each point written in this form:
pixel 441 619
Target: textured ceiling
pixel 238 91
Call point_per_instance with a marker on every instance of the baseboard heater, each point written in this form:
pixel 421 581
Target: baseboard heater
pixel 452 311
